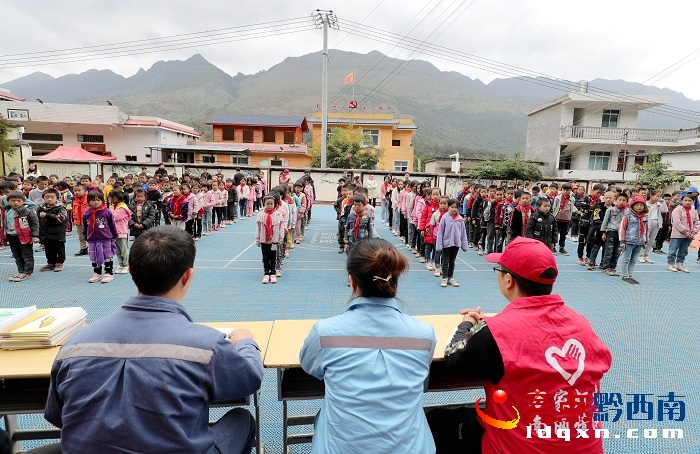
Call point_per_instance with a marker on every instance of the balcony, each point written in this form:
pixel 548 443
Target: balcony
pixel 626 135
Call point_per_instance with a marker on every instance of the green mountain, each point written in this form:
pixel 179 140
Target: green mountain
pixel 453 112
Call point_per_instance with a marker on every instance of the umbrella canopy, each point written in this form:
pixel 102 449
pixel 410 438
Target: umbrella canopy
pixel 74 154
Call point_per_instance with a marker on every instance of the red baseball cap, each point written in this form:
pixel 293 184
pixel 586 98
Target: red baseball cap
pixel 528 258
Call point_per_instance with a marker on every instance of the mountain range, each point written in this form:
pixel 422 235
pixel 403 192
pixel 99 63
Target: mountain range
pixel 452 111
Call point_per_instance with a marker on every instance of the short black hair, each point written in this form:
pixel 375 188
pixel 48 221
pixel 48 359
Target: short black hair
pixel 42 178
pixel 532 288
pixel 51 191
pixel 541 200
pixel 359 198
pixel 159 257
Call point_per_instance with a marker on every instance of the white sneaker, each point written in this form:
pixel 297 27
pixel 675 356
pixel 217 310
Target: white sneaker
pixel 429 266
pixel 278 273
pixel 452 282
pixel 443 283
pixel 437 272
pixel 95 278
pixel 642 259
pixel 647 259
pixel 122 270
pixel 422 260
pixel 265 279
pixel 107 278
pixel 273 279
pixel 671 268
pixel 481 251
pixel 681 268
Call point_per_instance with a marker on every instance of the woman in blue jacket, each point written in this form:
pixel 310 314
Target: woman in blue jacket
pixel 374 360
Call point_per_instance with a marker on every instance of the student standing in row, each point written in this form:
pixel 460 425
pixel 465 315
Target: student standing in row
pixel 634 235
pixel 100 231
pixel 451 236
pixel 685 225
pixel 52 230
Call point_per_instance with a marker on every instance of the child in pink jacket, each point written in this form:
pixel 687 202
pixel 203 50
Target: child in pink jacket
pixel 122 215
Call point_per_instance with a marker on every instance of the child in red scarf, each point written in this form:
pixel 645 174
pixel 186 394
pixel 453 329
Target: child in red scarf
pixel 269 234
pixel 433 227
pixel 100 231
pixel 359 225
pixel 634 235
pixel 178 208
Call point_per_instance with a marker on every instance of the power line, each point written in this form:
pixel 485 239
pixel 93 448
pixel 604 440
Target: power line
pixel 508 70
pixel 146 48
pixel 163 38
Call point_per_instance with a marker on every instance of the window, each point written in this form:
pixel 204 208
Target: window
pixel 40 136
pixel 269 134
pixel 621 160
pixel 209 159
pixel 401 166
pixel 565 163
pixel 276 162
pixel 227 133
pixel 395 143
pixel 288 136
pixel 131 158
pixel 248 135
pixel 610 118
pixel 371 137
pixel 90 138
pixel 329 133
pixel 239 159
pixel 599 160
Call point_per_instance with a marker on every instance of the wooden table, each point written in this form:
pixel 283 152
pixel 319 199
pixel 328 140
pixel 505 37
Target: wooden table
pixel 25 378
pixel 293 383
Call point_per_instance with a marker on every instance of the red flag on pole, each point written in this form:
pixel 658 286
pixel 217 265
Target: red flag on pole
pixel 349 78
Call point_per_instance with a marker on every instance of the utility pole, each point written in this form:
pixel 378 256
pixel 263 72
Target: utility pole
pixel 325 19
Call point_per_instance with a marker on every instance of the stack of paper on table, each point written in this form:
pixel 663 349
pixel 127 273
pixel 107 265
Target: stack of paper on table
pixel 9 317
pixel 44 328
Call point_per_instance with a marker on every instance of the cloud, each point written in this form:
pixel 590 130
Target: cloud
pixel 565 39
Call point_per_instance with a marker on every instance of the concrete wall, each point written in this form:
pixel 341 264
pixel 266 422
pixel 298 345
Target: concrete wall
pixel 542 142
pixel 683 161
pixel 593 116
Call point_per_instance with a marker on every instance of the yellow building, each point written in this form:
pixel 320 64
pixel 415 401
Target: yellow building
pixel 393 135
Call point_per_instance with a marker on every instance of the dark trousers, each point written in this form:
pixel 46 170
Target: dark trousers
pixel 477 233
pixel 22 253
pixel 449 255
pixel 341 234
pixel 166 218
pixel 662 236
pixel 491 239
pixel 403 227
pixel 55 252
pixel 242 205
pixel 582 235
pixel 189 226
pixel 502 241
pixel 563 227
pixel 612 250
pixel 269 258
pixel 197 227
pixel 575 222
pixel 391 214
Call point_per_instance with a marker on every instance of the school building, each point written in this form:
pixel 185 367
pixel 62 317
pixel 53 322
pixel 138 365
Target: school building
pixel 38 128
pixel 392 135
pixel 594 136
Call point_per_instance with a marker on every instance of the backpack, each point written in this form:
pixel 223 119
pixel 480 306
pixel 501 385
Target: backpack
pixel 455 429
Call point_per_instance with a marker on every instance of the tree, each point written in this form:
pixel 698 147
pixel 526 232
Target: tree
pixel 655 173
pixel 344 150
pixel 6 146
pixel 514 168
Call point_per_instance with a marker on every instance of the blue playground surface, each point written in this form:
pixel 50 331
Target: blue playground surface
pixel 650 328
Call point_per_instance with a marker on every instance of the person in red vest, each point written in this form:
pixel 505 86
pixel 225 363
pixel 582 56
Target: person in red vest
pixel 538 356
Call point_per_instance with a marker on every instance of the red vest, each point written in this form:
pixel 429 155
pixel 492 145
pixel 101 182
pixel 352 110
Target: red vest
pixel 553 364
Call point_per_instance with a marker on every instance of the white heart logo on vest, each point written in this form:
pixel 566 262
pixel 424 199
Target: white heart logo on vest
pixel 571 349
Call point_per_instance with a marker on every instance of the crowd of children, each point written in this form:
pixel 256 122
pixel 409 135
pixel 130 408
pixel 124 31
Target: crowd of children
pixel 610 223
pixel 43 210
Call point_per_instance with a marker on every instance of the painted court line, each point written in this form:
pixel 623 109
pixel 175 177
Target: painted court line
pixel 241 253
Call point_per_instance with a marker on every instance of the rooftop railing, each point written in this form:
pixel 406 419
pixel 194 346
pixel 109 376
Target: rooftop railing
pixel 629 134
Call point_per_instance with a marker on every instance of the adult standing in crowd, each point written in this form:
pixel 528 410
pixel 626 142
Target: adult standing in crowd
pixel 284 178
pixel 161 170
pixel 32 171
pixel 205 175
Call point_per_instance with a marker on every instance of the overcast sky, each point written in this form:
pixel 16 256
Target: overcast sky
pixel 571 40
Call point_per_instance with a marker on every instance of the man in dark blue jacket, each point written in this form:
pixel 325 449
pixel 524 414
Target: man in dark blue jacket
pixel 142 378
